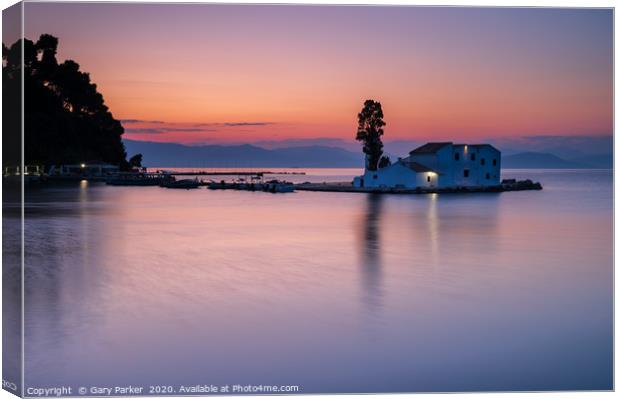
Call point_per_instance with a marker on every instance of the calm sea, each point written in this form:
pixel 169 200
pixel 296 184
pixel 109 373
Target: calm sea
pixel 333 292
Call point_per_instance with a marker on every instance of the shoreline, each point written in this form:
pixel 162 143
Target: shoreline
pixel 346 187
pixel 335 187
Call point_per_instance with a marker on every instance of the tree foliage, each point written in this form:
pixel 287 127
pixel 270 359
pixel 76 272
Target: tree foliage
pixel 384 161
pixel 369 132
pixel 135 161
pixel 65 117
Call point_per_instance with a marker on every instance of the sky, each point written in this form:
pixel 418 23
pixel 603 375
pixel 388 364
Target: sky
pixel 206 74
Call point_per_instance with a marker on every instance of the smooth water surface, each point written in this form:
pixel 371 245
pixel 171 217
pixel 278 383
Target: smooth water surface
pixel 334 292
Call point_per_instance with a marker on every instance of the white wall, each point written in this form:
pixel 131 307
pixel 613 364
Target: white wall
pixel 427 179
pixel 395 175
pixel 478 161
pixel 452 170
pixel 440 161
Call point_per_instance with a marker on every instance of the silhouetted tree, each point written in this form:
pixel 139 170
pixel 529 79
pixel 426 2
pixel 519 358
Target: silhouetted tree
pixel 11 107
pixel 65 117
pixel 136 161
pixel 46 47
pixel 369 132
pixel 384 161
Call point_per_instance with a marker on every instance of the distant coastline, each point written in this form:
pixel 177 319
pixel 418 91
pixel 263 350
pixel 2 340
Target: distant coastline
pixel 169 155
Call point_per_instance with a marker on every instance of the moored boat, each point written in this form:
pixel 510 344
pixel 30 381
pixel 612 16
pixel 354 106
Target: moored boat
pixel 272 186
pixel 221 185
pixel 184 183
pixel 277 186
pixel 139 179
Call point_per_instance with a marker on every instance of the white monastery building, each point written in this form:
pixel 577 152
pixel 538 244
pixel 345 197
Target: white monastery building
pixel 439 165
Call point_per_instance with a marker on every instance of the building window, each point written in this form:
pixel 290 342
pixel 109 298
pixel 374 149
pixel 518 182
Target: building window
pixel 481 161
pixel 495 162
pixel 428 179
pixel 473 156
pixel 488 176
pixel 456 156
pixel 466 173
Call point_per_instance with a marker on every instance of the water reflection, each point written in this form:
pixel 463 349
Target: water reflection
pixel 11 286
pixel 433 227
pixel 337 292
pixel 64 247
pixel 370 253
pixel 83 192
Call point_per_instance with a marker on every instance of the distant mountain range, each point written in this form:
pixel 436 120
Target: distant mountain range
pixel 542 160
pixel 178 155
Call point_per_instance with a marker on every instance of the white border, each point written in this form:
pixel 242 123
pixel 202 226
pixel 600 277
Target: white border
pixel 483 3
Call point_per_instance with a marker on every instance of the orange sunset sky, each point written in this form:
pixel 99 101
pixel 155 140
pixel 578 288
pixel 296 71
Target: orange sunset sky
pixel 224 73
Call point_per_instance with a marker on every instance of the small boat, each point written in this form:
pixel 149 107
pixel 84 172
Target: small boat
pixel 222 185
pixel 184 183
pixel 276 186
pixel 272 186
pixel 139 179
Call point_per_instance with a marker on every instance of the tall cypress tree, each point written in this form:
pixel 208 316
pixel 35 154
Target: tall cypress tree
pixel 369 132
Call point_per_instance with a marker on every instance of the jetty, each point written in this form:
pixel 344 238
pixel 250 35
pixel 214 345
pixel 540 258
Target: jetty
pixel 226 173
pixel 348 187
pixel 272 186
